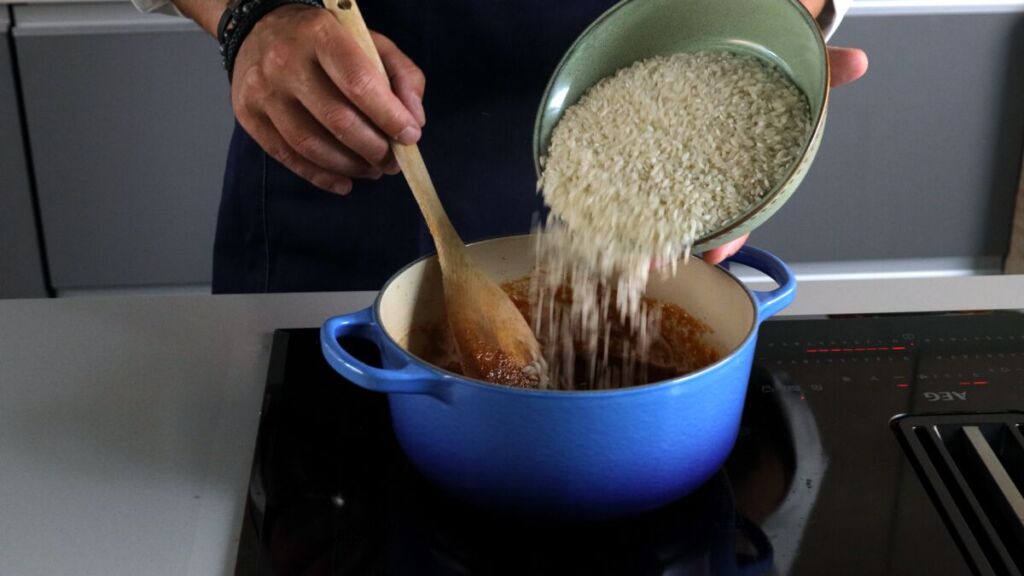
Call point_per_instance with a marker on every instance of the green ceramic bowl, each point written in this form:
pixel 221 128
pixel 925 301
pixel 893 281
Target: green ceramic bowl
pixel 779 31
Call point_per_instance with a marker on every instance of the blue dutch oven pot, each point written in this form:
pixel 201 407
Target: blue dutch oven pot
pixel 582 455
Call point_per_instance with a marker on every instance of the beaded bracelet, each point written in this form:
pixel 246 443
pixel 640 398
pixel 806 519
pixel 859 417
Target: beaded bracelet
pixel 238 20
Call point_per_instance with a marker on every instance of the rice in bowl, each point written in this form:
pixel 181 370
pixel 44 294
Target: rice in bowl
pixel 649 160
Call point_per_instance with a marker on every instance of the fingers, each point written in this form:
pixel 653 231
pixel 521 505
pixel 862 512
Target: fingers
pixel 308 137
pixel 407 80
pixel 362 83
pixel 263 131
pixel 291 77
pixel 847 64
pixel 814 6
pixel 716 255
pixel 344 123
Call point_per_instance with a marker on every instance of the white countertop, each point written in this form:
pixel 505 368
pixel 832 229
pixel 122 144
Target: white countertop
pixel 127 424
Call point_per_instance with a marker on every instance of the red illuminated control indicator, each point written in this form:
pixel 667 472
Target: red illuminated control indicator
pixel 858 349
pixel 962 383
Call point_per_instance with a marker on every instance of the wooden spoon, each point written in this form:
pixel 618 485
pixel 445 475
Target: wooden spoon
pixel 494 341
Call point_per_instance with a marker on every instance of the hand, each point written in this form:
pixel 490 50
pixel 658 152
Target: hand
pixel 306 92
pixel 848 64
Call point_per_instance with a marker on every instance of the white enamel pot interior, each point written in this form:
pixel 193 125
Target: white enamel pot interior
pixel 415 299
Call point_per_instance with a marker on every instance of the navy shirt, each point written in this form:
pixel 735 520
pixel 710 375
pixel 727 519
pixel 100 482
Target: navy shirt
pixel 487 63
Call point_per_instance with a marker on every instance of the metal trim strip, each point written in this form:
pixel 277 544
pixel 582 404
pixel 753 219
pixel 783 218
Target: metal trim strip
pixel 932 7
pixel 76 19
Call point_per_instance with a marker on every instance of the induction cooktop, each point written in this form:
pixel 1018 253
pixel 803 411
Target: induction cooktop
pixel 885 444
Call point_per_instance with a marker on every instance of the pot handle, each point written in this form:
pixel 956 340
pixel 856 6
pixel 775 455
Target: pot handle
pixel 408 379
pixel 770 302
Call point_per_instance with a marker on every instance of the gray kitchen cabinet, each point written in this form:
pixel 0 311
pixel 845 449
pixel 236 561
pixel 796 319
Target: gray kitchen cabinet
pixel 920 158
pixel 21 263
pixel 129 120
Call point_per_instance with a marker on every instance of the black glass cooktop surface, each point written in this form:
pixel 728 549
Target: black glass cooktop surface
pixel 825 478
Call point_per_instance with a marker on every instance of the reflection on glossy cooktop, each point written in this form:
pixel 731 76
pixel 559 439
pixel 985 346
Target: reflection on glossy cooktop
pixel 818 482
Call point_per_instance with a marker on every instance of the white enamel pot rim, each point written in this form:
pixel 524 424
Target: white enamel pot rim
pixel 420 279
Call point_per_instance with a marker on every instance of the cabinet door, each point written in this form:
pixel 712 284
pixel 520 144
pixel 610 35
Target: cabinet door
pixel 129 120
pixel 920 157
pixel 21 267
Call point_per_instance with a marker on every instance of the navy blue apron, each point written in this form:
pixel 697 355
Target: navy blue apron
pixel 487 63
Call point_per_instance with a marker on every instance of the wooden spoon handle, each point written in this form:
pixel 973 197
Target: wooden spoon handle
pixel 446 239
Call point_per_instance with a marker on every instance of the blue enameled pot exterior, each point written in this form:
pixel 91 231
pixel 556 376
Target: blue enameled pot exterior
pixel 566 454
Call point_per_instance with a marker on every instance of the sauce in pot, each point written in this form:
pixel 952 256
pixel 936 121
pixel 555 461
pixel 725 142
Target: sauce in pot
pixel 678 347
